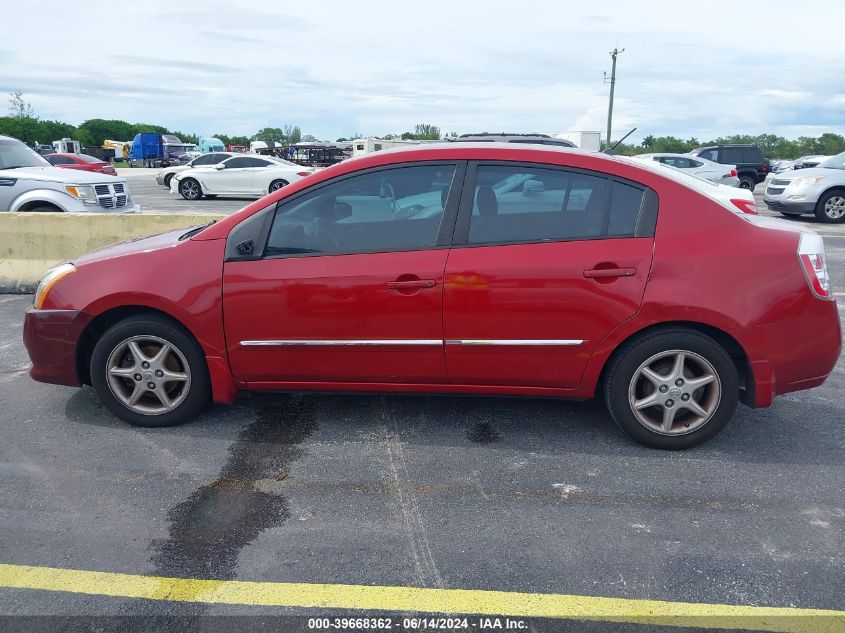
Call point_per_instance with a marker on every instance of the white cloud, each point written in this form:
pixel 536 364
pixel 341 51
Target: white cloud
pixel 335 67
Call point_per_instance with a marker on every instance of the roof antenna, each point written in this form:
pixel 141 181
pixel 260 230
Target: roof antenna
pixel 616 144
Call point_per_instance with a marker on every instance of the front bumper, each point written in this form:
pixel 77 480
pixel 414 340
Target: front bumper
pixel 51 338
pixel 789 206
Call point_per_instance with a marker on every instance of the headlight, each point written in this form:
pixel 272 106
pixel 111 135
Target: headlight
pixel 805 182
pixel 49 280
pixel 83 193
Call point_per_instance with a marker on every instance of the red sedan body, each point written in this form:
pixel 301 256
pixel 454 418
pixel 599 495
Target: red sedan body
pixel 81 162
pixel 539 317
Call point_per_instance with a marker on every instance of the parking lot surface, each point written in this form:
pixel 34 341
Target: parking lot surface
pixel 508 494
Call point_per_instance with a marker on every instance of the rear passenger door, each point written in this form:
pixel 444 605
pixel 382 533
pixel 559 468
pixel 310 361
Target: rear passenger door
pixel 545 262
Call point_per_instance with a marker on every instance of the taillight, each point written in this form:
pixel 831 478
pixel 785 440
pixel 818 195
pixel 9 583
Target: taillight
pixel 733 173
pixel 764 168
pixel 746 206
pixel 303 173
pixel 814 263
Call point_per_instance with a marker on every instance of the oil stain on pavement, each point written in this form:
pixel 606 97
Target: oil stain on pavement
pixel 483 433
pixel 211 527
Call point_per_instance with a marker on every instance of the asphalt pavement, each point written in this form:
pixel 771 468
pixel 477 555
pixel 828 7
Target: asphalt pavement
pixel 509 494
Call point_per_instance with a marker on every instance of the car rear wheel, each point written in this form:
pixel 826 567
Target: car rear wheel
pixel 671 389
pixel 831 207
pixel 747 182
pixel 149 372
pixel 190 189
pixel 277 184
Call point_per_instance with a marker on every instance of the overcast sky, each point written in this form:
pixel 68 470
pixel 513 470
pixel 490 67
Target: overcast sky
pixel 336 67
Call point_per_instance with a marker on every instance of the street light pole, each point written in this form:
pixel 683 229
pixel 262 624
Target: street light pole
pixel 613 54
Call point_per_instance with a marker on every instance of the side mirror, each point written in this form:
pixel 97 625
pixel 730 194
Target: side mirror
pixel 220 166
pixel 342 210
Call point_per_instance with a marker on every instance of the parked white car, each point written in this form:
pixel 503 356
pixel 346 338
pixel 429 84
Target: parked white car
pixel 164 176
pixel 242 175
pixel 818 190
pixel 701 167
pixel 737 199
pixel 30 183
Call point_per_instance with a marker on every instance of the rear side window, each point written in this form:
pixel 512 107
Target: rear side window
pixel 528 204
pixel 625 204
pixel 710 154
pixel 209 159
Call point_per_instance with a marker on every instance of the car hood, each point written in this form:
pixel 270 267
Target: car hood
pixel 57 174
pixel 810 172
pixel 146 244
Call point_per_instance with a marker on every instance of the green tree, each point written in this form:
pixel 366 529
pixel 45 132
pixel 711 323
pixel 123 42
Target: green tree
pixel 293 134
pixel 275 134
pixel 19 108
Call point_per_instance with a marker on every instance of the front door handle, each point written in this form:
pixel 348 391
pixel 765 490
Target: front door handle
pixel 598 273
pixel 411 284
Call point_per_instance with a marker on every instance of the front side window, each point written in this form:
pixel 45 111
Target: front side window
pixel 530 204
pixel 386 210
pixel 208 159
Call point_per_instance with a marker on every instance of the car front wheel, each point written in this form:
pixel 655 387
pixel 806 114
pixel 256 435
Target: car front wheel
pixel 831 207
pixel 190 189
pixel 672 389
pixel 149 372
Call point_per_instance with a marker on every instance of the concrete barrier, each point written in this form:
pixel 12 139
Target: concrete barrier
pixel 30 243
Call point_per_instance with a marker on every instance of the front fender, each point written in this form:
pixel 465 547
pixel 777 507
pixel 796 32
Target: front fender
pixel 63 201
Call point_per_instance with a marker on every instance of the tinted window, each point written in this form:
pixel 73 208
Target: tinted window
pixel 710 154
pixel 246 161
pixel 625 203
pixel 387 210
pixel 676 161
pixel 208 159
pixel 526 204
pixel 59 160
pixel 89 159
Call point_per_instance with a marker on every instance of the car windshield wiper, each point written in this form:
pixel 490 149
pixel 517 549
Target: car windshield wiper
pixel 195 230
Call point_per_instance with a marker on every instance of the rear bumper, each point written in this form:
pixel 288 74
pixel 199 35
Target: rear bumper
pixel 792 355
pixel 51 338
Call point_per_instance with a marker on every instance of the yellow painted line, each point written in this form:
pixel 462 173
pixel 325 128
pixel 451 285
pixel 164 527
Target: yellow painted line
pixel 417 600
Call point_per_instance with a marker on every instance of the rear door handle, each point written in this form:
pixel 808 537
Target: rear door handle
pixel 595 273
pixel 411 284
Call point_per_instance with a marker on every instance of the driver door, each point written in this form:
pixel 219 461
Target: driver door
pixel 235 177
pixel 347 284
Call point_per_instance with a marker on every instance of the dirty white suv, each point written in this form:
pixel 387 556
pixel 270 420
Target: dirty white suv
pixel 30 183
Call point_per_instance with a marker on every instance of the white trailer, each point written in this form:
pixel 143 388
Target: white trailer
pixel 362 146
pixel 588 141
pixel 67 146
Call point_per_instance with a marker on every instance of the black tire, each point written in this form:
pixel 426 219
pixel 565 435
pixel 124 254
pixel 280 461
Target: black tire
pixel 168 179
pixel 747 182
pixel 624 365
pixel 199 390
pixel 45 208
pixel 277 184
pixel 829 204
pixel 190 189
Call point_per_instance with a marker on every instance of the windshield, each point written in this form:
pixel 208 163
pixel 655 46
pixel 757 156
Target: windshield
pixel 13 154
pixel 834 162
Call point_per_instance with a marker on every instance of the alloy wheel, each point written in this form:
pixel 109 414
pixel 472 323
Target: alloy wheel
pixel 674 392
pixel 834 208
pixel 148 375
pixel 190 190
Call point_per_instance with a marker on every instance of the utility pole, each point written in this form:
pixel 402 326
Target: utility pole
pixel 613 54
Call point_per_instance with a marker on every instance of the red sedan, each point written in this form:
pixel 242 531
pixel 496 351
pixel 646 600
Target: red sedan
pixel 483 269
pixel 82 162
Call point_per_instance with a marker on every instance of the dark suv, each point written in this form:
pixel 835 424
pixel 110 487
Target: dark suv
pixel 540 139
pixel 751 166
